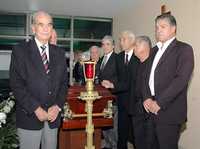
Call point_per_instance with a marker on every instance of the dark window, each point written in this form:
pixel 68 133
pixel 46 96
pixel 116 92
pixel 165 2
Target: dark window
pixel 84 45
pixel 12 24
pixel 62 27
pixel 92 29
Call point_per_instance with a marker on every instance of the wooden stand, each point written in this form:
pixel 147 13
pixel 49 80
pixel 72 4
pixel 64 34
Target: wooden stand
pixel 72 133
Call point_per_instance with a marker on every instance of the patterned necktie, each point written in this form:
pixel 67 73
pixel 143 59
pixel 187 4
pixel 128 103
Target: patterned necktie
pixel 103 62
pixel 44 59
pixel 126 59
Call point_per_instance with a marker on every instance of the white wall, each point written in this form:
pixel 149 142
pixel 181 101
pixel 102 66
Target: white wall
pixel 140 19
pixel 5 60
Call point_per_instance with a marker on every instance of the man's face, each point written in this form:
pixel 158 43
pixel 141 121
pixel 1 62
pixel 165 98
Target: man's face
pixel 42 28
pixel 126 43
pixel 53 38
pixel 94 54
pixel 164 31
pixel 107 46
pixel 141 49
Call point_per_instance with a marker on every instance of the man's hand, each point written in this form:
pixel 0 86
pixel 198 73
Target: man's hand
pixel 41 114
pixel 147 104
pixel 53 112
pixel 107 84
pixel 151 106
pixel 155 107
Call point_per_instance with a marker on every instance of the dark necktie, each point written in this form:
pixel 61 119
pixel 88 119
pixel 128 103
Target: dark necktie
pixel 126 59
pixel 44 59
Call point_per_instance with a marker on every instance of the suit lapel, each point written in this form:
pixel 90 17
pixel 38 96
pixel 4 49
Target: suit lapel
pixel 36 57
pixel 109 61
pixel 167 52
pixel 52 60
pixel 132 60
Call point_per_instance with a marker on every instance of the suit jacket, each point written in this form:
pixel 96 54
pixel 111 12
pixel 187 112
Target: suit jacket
pixel 172 76
pixel 109 71
pixel 125 85
pixel 32 87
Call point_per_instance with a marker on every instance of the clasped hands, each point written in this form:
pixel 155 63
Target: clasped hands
pixel 151 105
pixel 49 115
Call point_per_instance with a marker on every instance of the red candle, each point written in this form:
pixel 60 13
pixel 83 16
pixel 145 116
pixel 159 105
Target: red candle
pixel 89 70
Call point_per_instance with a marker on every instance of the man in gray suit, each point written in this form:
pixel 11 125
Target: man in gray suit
pixel 165 94
pixel 38 78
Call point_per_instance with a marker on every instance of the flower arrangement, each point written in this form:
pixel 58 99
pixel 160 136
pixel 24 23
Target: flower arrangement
pixel 8 136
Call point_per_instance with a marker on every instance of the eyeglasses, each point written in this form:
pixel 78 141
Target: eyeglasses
pixel 42 25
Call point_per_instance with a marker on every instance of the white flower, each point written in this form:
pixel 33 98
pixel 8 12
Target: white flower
pixel 11 103
pixel 2 116
pixel 6 109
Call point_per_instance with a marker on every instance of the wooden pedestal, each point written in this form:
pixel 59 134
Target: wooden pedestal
pixel 72 133
pixel 76 139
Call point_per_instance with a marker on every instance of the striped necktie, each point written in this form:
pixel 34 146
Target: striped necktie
pixel 44 59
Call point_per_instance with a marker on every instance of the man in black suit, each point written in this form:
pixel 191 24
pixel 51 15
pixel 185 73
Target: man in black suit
pixel 107 71
pixel 107 63
pixel 138 114
pixel 38 78
pixel 127 64
pixel 169 75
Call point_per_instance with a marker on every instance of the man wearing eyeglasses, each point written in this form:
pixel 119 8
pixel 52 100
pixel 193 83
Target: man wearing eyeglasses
pixel 38 78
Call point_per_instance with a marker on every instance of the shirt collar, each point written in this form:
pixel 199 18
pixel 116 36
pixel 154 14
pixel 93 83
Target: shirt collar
pixel 130 53
pixel 109 54
pixel 39 44
pixel 165 44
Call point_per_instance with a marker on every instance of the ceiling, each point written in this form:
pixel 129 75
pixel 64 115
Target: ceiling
pixel 94 8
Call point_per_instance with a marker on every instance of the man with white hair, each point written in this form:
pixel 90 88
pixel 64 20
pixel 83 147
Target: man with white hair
pixel 124 87
pixel 94 53
pixel 38 78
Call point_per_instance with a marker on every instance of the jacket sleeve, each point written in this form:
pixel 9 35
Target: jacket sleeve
pixel 18 82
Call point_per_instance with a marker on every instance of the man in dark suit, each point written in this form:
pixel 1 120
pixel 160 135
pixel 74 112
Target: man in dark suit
pixel 38 78
pixel 127 64
pixel 107 71
pixel 108 61
pixel 169 75
pixel 138 114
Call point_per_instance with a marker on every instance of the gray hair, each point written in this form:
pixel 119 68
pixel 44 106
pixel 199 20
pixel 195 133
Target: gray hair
pixel 96 47
pixel 38 13
pixel 145 39
pixel 109 38
pixel 130 34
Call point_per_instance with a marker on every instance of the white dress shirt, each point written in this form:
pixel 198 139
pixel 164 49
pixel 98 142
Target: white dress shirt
pixel 39 44
pixel 161 49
